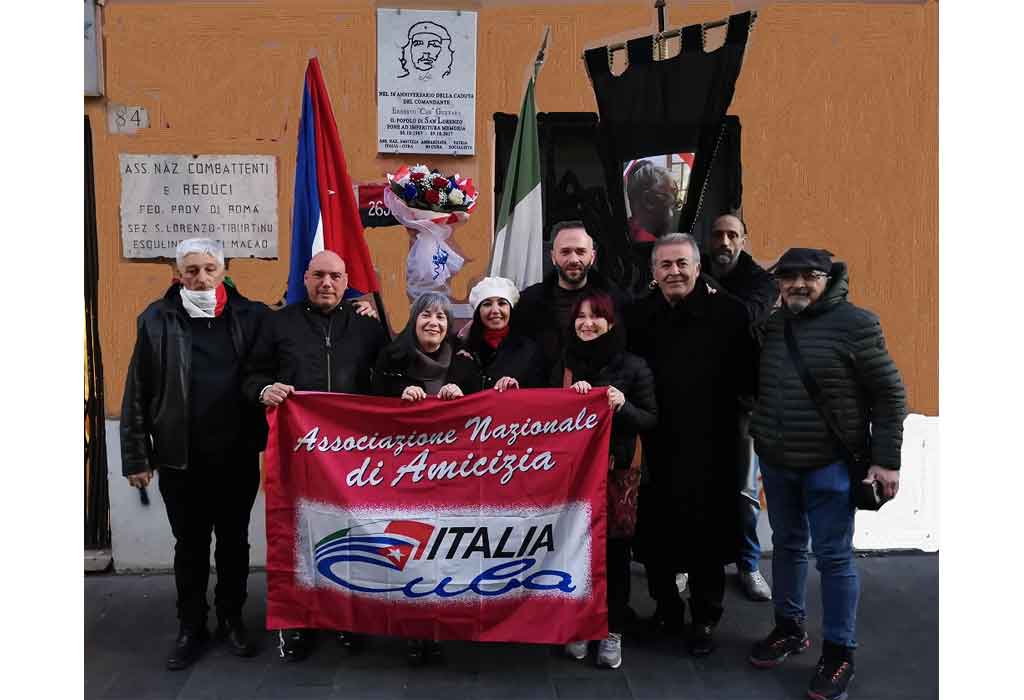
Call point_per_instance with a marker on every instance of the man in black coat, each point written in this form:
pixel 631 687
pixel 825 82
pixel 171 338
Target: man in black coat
pixel 697 344
pixel 735 273
pixel 809 479
pixel 542 313
pixel 184 414
pixel 318 344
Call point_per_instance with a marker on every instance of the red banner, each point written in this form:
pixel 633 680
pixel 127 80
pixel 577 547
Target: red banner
pixel 481 518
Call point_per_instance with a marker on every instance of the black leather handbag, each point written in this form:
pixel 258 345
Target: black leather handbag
pixel 866 496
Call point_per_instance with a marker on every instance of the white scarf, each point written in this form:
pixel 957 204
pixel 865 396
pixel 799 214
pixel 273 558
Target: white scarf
pixel 199 304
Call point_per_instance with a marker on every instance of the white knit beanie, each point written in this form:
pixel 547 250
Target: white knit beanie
pixel 493 287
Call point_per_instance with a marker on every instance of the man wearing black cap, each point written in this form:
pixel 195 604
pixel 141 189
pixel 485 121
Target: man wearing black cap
pixel 809 479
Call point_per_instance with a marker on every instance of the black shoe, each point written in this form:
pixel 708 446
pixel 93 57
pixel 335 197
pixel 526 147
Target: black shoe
pixel 293 645
pixel 834 673
pixel 433 651
pixel 187 647
pixel 233 630
pixel 351 642
pixel 666 620
pixel 700 642
pixel 416 652
pixel 786 638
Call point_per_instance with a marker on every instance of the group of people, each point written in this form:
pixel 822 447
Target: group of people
pixel 699 375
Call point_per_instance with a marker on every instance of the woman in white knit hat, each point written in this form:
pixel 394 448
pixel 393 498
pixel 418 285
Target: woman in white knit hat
pixel 507 360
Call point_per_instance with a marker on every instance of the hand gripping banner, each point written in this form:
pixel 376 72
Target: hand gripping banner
pixel 481 518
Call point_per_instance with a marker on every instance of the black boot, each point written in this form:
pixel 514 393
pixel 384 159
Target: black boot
pixel 294 644
pixel 788 637
pixel 700 641
pixel 833 674
pixel 667 618
pixel 416 652
pixel 351 642
pixel 233 630
pixel 187 647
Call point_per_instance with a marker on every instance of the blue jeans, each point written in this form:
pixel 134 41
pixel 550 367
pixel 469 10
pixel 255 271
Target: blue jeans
pixel 813 503
pixel 750 509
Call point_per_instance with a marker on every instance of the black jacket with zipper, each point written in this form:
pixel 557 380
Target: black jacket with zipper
pixel 843 348
pixel 154 411
pixel 315 351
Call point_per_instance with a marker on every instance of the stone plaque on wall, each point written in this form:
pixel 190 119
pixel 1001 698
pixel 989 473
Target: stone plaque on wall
pixel 426 81
pixel 167 198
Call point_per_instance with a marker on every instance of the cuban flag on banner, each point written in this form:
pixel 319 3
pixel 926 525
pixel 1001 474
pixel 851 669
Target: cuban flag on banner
pixel 325 215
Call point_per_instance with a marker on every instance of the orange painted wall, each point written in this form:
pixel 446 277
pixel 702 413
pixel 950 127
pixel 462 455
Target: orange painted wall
pixel 839 105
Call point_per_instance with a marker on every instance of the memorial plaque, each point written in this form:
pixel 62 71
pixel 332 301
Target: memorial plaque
pixel 167 198
pixel 426 81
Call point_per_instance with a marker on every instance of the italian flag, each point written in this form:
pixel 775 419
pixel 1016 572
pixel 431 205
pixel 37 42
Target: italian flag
pixel 518 243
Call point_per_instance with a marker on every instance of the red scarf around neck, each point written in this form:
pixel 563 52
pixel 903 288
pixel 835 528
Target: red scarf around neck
pixel 494 337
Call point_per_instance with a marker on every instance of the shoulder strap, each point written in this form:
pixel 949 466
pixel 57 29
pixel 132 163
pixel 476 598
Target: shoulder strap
pixel 816 394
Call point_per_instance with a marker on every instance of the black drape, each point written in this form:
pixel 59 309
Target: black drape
pixel 676 105
pixel 575 183
pixel 97 501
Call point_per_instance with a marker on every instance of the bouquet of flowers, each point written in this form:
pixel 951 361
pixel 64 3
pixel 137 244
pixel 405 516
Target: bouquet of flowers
pixel 430 205
pixel 419 187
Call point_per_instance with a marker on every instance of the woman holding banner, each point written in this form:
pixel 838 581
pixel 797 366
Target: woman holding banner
pixel 596 356
pixel 422 361
pixel 506 359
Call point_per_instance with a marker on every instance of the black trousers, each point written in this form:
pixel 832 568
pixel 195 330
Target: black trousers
pixel 617 568
pixel 214 495
pixel 707 589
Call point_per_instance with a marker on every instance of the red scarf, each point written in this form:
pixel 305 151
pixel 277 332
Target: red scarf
pixel 494 337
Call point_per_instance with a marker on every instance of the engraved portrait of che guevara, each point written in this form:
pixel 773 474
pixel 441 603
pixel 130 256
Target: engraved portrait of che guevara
pixel 427 52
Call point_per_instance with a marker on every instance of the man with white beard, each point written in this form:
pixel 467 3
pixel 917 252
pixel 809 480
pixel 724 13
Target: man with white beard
pixel 828 426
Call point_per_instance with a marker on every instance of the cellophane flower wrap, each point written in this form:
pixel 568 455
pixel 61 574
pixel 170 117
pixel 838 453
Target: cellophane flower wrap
pixel 430 205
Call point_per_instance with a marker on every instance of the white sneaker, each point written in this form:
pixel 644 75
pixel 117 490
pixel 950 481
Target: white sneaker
pixel 609 651
pixel 755 586
pixel 577 650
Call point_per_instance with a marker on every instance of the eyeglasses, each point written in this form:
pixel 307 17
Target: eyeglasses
pixel 807 275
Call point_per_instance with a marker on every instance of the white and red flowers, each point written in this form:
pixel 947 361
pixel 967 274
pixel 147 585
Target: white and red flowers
pixel 419 187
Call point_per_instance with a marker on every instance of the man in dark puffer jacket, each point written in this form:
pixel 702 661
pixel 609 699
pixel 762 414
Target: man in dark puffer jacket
pixel 807 483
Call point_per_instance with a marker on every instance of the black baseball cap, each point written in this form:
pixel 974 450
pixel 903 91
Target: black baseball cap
pixel 804 259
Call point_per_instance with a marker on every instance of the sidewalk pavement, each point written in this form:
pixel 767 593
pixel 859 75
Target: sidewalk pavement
pixel 130 626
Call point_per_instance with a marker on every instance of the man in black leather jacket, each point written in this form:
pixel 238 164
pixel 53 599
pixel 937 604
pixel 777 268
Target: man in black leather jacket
pixel 318 344
pixel 184 414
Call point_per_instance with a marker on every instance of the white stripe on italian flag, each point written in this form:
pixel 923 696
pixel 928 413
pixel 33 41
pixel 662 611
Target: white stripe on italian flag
pixel 518 243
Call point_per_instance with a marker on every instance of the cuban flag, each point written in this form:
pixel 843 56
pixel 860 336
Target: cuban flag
pixel 325 215
pixel 400 541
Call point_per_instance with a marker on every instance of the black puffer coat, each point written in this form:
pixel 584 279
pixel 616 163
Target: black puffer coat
pixel 704 359
pixel 843 348
pixel 630 375
pixel 154 411
pixel 314 351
